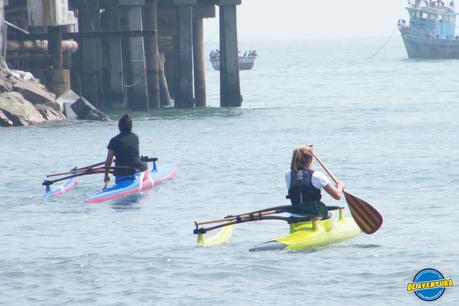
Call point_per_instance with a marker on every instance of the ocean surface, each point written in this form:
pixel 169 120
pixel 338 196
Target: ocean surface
pixel 385 125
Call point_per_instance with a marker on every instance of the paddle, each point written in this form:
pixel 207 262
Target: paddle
pixel 367 218
pixel 76 170
pixel 283 208
pixel 88 172
pixel 260 217
pixel 250 215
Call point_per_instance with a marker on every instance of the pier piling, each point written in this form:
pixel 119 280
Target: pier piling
pixel 230 91
pixel 2 29
pixel 184 86
pixel 91 64
pixel 58 78
pixel 152 53
pixel 135 56
pixel 115 75
pixel 199 64
pixel 164 95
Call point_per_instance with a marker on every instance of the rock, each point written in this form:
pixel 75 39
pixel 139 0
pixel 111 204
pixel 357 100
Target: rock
pixel 4 120
pixel 86 111
pixel 97 115
pixel 5 83
pixel 54 105
pixel 20 111
pixel 67 97
pixel 49 113
pixel 33 91
pixel 22 75
pixel 65 102
pixel 3 66
pixel 68 112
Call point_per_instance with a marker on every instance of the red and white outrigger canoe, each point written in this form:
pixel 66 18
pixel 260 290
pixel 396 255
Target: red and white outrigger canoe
pixel 142 181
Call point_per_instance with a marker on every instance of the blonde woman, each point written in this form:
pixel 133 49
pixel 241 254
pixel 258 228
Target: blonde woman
pixel 305 184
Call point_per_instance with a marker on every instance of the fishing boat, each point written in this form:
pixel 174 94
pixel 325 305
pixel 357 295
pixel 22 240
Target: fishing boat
pixel 246 61
pixel 431 30
pixel 313 234
pixel 142 181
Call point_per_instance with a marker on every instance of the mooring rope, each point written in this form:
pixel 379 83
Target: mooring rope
pixel 385 43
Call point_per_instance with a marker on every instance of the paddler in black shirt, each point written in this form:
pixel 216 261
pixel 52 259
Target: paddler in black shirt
pixel 125 148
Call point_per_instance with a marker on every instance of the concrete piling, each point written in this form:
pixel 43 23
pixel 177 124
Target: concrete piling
pixel 184 87
pixel 115 75
pixel 170 68
pixel 135 56
pixel 164 96
pixel 55 46
pixel 199 64
pixel 58 78
pixel 2 27
pixel 152 53
pixel 91 56
pixel 230 91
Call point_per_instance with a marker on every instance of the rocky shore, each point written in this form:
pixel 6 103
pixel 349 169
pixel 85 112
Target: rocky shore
pixel 24 101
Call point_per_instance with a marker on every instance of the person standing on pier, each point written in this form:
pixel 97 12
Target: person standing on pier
pixel 125 148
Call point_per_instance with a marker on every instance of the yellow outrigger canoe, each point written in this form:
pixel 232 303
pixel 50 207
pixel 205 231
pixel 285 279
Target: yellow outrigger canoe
pixel 312 234
pixel 303 234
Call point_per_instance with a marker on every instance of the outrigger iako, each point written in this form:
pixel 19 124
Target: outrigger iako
pixel 306 231
pixel 140 180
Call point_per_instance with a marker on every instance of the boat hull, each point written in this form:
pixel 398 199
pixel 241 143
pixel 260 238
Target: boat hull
pixel 313 234
pixel 143 181
pixel 61 189
pixel 429 48
pixel 244 63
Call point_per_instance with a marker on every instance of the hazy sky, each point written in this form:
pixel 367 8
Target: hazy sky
pixel 304 19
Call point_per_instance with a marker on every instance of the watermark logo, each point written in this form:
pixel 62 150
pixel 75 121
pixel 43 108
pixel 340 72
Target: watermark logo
pixel 429 284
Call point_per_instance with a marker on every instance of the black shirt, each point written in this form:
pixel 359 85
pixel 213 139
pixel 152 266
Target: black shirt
pixel 126 149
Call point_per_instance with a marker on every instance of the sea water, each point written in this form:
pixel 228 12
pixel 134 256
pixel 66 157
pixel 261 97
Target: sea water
pixel 385 125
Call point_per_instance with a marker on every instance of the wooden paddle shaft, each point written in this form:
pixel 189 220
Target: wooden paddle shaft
pixel 366 216
pixel 326 169
pixel 76 169
pixel 233 222
pixel 75 175
pixel 243 216
pixel 91 170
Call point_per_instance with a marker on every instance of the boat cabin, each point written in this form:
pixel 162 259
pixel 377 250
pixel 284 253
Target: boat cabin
pixel 437 22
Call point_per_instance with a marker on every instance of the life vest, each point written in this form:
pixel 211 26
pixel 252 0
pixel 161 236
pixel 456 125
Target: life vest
pixel 301 189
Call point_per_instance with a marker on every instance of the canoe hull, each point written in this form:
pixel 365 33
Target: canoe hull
pixel 143 181
pixel 313 234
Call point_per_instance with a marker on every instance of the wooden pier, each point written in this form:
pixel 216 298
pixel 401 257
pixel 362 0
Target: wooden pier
pixel 133 54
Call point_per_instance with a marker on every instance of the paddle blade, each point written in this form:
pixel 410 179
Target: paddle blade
pixel 367 218
pixel 222 237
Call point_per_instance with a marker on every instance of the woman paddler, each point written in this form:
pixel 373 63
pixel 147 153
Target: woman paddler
pixel 304 185
pixel 125 148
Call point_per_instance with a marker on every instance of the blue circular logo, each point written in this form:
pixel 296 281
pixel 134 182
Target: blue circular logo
pixel 426 276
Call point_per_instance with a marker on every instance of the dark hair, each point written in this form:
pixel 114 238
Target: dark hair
pixel 125 124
